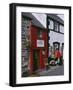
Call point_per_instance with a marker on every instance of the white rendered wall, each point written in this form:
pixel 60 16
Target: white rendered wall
pixel 56 37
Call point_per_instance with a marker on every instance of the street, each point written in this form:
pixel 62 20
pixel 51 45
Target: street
pixel 54 71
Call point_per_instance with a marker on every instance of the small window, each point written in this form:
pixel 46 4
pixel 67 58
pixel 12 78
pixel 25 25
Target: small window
pixel 61 28
pixel 56 26
pixel 39 33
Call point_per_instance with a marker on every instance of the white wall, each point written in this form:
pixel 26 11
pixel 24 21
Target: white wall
pixel 56 37
pixel 4 45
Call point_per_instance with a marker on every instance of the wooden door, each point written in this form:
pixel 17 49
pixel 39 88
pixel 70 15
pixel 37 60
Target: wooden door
pixel 36 58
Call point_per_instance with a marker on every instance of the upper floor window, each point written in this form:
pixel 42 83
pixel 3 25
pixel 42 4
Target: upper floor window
pixel 61 28
pixel 39 33
pixel 50 24
pixel 56 26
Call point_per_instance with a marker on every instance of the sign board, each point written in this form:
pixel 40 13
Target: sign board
pixel 40 43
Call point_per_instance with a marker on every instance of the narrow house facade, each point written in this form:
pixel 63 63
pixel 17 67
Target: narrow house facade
pixel 35 45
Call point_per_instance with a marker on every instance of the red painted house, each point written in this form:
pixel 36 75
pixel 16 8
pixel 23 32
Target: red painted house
pixel 37 42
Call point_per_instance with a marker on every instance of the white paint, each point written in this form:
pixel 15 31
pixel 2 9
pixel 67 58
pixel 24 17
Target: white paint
pixel 56 37
pixel 40 43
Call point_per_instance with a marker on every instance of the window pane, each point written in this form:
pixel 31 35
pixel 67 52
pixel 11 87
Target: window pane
pixel 61 28
pixel 39 33
pixel 55 26
pixel 50 24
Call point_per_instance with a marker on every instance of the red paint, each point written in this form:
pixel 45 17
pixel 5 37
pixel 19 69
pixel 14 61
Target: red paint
pixel 41 61
pixel 33 47
pixel 58 54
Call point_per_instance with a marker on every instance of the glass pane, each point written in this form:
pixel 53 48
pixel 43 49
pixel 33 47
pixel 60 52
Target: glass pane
pixel 56 26
pixel 50 24
pixel 61 28
pixel 39 33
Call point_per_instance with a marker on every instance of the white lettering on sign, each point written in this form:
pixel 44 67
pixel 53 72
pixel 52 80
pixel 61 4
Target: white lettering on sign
pixel 40 43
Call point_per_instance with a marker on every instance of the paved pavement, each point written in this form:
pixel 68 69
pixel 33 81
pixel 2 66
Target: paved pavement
pixel 53 71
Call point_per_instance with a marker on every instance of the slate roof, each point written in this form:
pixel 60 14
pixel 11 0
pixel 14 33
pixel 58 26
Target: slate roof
pixel 56 18
pixel 34 21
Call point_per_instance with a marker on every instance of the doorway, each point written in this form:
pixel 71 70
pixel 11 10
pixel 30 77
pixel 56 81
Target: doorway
pixel 36 58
